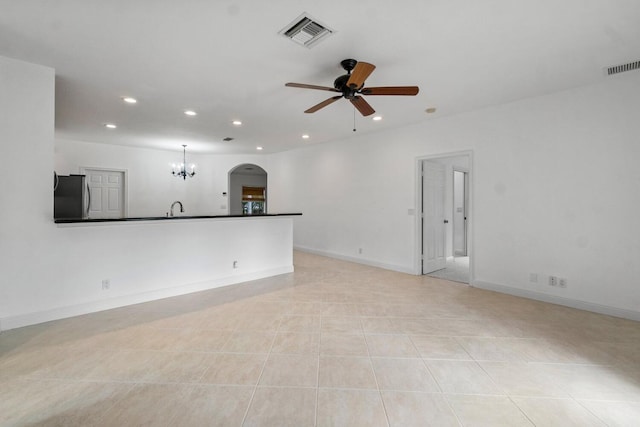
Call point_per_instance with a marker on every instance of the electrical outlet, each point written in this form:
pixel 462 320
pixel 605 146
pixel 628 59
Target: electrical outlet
pixel 359 250
pixel 562 282
pixel 533 277
pixel 235 264
pixel 553 281
pixel 106 284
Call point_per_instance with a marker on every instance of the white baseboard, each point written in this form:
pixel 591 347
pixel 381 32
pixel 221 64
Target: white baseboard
pixel 21 320
pixel 357 260
pixel 554 299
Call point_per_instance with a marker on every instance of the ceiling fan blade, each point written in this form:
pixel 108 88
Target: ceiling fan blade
pixel 323 104
pixel 305 86
pixel 362 106
pixel 391 90
pixel 359 74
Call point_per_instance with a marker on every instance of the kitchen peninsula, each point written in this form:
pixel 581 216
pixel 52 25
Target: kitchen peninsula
pixel 110 263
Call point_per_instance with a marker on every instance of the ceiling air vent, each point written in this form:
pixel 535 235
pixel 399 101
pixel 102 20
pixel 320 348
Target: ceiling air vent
pixel 305 31
pixel 622 68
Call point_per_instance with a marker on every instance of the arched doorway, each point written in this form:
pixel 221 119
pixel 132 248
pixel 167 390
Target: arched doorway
pixel 247 190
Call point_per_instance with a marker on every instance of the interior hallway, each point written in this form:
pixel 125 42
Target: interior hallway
pixel 456 270
pixel 334 343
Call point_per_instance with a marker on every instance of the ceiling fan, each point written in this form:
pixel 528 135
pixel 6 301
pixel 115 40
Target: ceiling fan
pixel 351 87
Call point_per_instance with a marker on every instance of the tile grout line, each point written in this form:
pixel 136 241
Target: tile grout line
pixel 504 391
pixel 264 364
pixel 375 376
pixel 442 393
pixel 455 338
pixel 199 380
pixel 315 415
pixel 588 410
pixel 426 365
pixel 521 410
pixel 113 404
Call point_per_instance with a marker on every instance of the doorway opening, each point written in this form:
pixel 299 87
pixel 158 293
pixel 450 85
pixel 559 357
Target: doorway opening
pixel 247 190
pixel 460 211
pixel 444 221
pixel 253 200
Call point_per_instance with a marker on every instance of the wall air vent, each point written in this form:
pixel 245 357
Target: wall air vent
pixel 227 139
pixel 306 31
pixel 622 68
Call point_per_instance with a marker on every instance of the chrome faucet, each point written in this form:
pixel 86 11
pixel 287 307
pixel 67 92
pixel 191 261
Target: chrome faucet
pixel 174 203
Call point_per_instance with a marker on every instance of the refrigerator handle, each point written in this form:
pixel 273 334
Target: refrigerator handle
pixel 88 199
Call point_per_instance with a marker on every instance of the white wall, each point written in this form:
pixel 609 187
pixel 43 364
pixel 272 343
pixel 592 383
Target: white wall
pixel 49 271
pixel 26 150
pixel 151 187
pixel 556 190
pixel 353 195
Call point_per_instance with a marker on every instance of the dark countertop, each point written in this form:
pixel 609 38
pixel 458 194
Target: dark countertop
pixel 164 218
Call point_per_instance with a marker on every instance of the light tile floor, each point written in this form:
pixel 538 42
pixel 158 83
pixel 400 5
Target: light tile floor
pixel 333 344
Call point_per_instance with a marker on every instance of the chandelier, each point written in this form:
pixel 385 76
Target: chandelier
pixel 181 170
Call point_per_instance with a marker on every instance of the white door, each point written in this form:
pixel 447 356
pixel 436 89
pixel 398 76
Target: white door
pixel 433 222
pixel 106 193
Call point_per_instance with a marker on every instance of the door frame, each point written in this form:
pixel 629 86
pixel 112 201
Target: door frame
pixel 125 183
pixel 417 266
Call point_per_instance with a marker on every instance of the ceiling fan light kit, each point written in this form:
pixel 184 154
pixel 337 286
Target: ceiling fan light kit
pixel 351 87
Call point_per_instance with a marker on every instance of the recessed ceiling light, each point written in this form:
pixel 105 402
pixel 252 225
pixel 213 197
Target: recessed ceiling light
pixel 377 118
pixel 190 113
pixel 305 136
pixel 237 123
pixel 129 100
pixel 258 148
pixel 110 125
pixel 430 110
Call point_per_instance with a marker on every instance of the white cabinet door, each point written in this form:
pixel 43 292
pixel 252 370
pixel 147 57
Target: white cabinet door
pixel 433 225
pixel 106 193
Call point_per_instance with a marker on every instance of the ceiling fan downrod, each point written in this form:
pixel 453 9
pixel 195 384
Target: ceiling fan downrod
pixel 354 119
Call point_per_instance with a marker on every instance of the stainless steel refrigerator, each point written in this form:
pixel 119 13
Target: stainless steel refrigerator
pixel 71 197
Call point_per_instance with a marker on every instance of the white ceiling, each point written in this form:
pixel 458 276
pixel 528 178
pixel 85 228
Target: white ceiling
pixel 226 60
